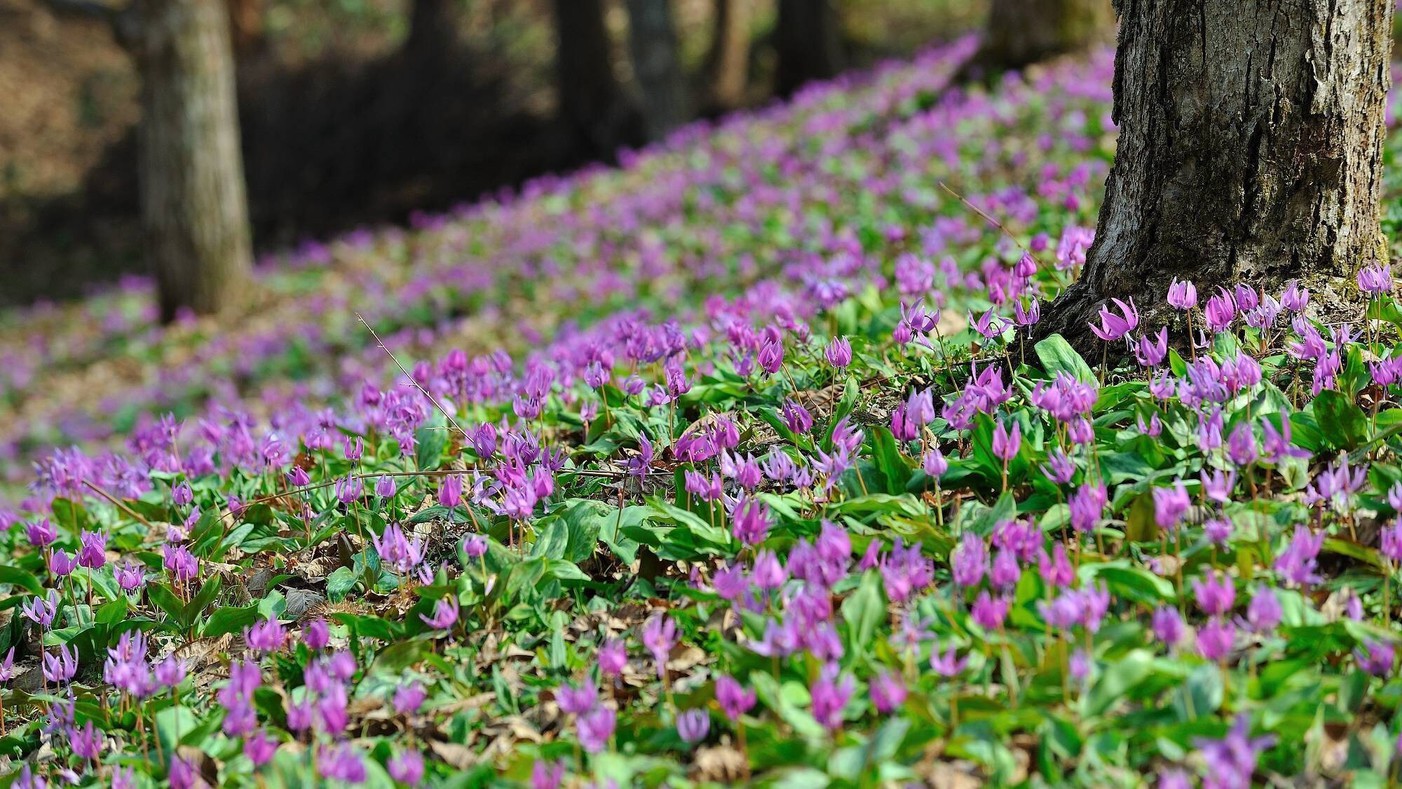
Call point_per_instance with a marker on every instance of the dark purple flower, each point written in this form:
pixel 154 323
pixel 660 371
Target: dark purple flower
pixel 733 698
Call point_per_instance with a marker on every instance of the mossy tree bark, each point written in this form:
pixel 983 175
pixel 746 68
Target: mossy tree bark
pixel 808 37
pixel 1250 150
pixel 652 40
pixel 193 206
pixel 1021 32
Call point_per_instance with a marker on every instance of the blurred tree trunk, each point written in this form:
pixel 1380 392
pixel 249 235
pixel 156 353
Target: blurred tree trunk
pixel 246 26
pixel 432 30
pixel 1020 32
pixel 592 102
pixel 727 63
pixel 1250 151
pixel 652 39
pixel 808 37
pixel 193 207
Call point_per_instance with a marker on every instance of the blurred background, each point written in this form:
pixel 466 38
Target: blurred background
pixel 361 112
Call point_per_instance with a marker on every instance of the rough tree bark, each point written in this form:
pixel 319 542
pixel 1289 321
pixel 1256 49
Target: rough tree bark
pixel 652 40
pixel 1249 151
pixel 592 102
pixel 808 38
pixel 1021 32
pixel 727 64
pixel 193 207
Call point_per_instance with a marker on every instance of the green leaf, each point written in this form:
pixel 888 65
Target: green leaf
pixel 1057 356
pixel 863 611
pixel 1342 423
pixel 230 620
pixel 340 583
pixel 207 594
pixel 21 578
pixel 174 724
pixel 395 659
pixel 1119 678
pixel 431 438
pixel 167 601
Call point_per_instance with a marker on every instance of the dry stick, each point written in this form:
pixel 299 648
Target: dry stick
pixel 119 504
pixel 416 384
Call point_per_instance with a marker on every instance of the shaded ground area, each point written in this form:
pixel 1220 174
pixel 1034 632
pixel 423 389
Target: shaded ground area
pixel 340 128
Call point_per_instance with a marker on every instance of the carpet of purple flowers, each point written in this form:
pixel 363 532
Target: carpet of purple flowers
pixel 722 466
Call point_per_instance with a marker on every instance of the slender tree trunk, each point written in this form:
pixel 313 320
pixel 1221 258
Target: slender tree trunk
pixel 652 39
pixel 808 37
pixel 727 63
pixel 592 103
pixel 193 206
pixel 1249 151
pixel 1020 32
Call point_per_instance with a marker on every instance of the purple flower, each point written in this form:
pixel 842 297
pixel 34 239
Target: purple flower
pixel 61 564
pixel 1113 327
pixel 1375 279
pixel 1231 761
pixel 969 561
pixel 41 610
pixel 693 725
pixel 1215 639
pixel 1170 505
pixel 613 658
pixel 1168 625
pixel 1215 594
pixel 1263 614
pixel 409 698
pixel 407 767
pixel 989 612
pixel 933 463
pixel 548 775
pixel 184 775
pixel 445 614
pixel 180 563
pixel 947 664
pixel 888 692
pixel 1376 657
pixel 385 487
pixel 130 576
pixel 340 762
pixel 733 698
pixel 1296 564
pixel 93 553
pixel 61 666
pixel 41 533
pixel 830 693
pixel 170 672
pixel 838 352
pixel 596 728
pixel 1182 295
pixel 750 521
pixel 260 748
pixel 1151 352
pixel 450 491
pixel 316 634
pixel 659 636
pixel 1220 311
pixel 1006 442
pixel 576 700
pixel 265 636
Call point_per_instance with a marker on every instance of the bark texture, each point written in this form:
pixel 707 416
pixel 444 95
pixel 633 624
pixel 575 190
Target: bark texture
pixel 194 210
pixel 1249 151
pixel 652 40
pixel 592 102
pixel 808 37
pixel 727 64
pixel 1021 32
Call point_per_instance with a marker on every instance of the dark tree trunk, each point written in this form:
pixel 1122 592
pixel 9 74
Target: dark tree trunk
pixel 193 207
pixel 592 103
pixel 1020 32
pixel 808 37
pixel 432 31
pixel 1249 151
pixel 727 63
pixel 652 39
